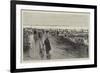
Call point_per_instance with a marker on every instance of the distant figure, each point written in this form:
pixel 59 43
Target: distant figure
pixel 47 47
pixel 35 35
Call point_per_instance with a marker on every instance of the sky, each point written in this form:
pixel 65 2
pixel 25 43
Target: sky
pixel 53 19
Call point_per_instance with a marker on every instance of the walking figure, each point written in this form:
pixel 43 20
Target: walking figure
pixel 47 47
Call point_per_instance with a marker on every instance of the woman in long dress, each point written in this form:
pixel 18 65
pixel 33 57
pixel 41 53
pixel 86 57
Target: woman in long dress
pixel 41 46
pixel 34 43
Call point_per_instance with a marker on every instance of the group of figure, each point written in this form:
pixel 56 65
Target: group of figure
pixel 40 45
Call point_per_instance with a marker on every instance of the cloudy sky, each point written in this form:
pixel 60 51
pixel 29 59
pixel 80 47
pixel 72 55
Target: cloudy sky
pixel 48 18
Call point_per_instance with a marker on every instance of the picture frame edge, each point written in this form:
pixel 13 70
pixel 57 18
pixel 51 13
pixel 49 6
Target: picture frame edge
pixel 13 37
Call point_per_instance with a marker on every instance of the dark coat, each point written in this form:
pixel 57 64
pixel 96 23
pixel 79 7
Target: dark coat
pixel 47 44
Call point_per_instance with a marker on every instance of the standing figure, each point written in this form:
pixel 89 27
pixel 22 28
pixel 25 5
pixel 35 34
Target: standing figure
pixel 31 50
pixel 41 45
pixel 47 47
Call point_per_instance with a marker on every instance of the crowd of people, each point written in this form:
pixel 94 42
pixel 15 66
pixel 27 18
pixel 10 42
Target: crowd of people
pixel 38 43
